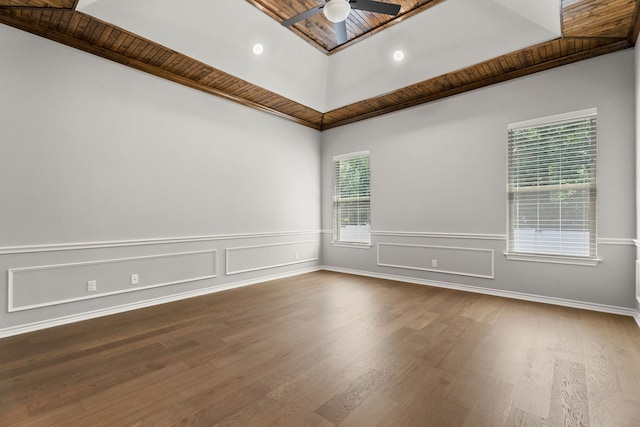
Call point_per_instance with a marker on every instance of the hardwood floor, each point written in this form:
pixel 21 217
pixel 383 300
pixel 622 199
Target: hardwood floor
pixel 326 349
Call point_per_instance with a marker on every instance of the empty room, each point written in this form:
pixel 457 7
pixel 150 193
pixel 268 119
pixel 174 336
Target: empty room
pixel 319 213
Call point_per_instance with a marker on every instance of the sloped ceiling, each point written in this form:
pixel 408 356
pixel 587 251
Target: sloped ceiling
pixel 450 46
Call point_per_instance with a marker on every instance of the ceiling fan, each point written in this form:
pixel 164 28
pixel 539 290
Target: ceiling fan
pixel 337 11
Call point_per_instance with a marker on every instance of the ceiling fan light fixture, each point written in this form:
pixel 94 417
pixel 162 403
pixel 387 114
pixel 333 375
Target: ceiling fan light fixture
pixel 337 10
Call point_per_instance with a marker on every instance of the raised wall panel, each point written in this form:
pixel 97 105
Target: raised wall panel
pixel 46 285
pixel 259 257
pixel 462 261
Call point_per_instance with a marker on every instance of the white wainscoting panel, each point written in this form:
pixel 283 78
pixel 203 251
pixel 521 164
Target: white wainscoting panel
pixel 259 257
pixel 46 285
pixel 475 262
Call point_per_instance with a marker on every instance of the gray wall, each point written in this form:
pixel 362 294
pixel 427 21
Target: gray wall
pixel 438 177
pixel 637 118
pixel 106 171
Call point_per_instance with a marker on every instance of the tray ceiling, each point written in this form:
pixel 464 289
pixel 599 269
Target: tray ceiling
pixel 319 32
pixel 469 58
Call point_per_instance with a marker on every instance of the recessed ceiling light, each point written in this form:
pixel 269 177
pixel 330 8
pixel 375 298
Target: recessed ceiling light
pixel 398 55
pixel 257 49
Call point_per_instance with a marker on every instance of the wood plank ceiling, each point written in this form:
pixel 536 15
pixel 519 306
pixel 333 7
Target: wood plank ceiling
pixel 589 28
pixel 319 32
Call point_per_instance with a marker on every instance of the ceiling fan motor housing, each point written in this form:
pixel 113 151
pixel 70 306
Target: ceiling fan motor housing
pixel 337 10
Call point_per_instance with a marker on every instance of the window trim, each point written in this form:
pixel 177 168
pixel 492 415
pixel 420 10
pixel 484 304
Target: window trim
pixel 339 244
pixel 591 260
pixel 334 241
pixel 552 259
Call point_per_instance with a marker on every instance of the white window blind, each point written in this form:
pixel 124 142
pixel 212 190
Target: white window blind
pixel 552 186
pixel 351 201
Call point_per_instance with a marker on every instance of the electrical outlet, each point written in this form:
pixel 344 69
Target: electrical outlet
pixel 434 263
pixel 92 285
pixel 134 279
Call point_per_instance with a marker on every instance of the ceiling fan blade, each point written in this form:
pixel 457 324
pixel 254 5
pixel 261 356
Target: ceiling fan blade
pixel 304 15
pixel 375 6
pixel 341 32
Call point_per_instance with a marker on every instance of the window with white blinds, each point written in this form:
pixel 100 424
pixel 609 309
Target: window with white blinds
pixel 552 186
pixel 351 199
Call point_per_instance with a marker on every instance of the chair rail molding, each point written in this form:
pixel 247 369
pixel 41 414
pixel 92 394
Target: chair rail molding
pixel 10 250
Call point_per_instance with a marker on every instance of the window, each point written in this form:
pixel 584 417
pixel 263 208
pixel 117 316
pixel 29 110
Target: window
pixel 552 186
pixel 351 199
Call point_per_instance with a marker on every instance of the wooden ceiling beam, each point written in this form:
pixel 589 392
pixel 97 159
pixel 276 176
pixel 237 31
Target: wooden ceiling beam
pixel 362 110
pixel 37 4
pixel 118 51
pixel 635 25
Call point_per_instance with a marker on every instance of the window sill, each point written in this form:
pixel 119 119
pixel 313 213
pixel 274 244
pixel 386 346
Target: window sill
pixel 352 245
pixel 590 262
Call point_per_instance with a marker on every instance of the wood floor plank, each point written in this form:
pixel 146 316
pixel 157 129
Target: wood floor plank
pixel 569 401
pixel 315 420
pixel 520 418
pixel 341 405
pixel 533 395
pixel 371 412
pixel 492 404
pixel 179 414
pixel 327 349
pixel 316 387
pixel 605 392
pixel 215 405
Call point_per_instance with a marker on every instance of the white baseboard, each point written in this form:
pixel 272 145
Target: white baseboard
pixel 495 292
pixel 36 326
pixel 31 327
